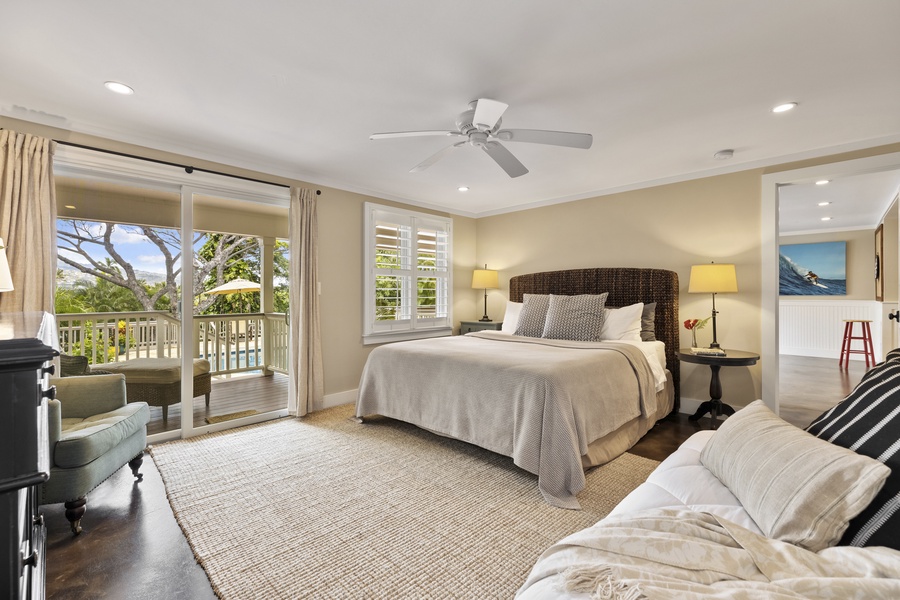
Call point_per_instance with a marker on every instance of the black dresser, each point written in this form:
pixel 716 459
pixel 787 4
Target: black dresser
pixel 26 349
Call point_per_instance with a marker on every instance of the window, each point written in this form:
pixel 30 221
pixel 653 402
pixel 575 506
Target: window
pixel 407 275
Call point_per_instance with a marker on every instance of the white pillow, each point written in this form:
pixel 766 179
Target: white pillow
pixel 622 323
pixel 797 488
pixel 511 318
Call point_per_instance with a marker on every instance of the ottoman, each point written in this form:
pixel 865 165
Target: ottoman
pixel 157 381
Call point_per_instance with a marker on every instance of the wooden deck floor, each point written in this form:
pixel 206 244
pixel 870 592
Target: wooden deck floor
pixel 262 394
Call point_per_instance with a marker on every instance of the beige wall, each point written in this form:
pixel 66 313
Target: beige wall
pixel 341 275
pixel 669 227
pixel 891 256
pixel 340 250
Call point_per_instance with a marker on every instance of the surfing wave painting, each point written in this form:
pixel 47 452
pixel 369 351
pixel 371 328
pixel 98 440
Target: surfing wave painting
pixel 813 269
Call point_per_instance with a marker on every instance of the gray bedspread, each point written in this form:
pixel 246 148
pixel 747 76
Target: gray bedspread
pixel 541 402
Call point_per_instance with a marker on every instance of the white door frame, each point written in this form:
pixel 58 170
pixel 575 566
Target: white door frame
pixel 769 250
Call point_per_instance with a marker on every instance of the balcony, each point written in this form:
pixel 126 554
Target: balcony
pixel 247 353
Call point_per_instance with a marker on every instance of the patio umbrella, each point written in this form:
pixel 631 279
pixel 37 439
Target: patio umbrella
pixel 235 286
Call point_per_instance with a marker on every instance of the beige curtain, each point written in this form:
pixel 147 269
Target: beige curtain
pixel 307 389
pixel 28 220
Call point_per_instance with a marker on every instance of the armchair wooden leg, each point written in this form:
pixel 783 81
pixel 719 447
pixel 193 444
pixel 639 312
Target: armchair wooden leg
pixel 135 464
pixel 74 511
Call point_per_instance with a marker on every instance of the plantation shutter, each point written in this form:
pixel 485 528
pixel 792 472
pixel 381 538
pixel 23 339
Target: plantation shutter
pixel 408 289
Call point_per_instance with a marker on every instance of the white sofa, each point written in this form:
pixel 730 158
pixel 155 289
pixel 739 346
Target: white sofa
pixel 714 545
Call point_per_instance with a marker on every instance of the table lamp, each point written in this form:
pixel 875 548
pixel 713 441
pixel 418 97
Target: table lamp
pixel 713 279
pixel 485 279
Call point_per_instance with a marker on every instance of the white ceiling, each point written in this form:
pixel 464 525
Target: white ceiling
pixel 855 202
pixel 295 88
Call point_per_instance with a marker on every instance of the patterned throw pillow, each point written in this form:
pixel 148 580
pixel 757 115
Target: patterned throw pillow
pixel 533 315
pixel 797 488
pixel 868 422
pixel 577 318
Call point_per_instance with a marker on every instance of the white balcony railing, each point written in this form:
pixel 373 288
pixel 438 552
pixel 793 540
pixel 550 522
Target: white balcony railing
pixel 231 343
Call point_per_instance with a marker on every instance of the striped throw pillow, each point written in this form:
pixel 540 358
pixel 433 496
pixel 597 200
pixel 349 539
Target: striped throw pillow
pixel 868 422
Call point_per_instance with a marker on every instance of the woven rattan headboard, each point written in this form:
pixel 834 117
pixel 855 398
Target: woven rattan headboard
pixel 625 285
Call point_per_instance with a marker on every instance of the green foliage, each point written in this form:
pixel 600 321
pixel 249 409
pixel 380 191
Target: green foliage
pixel 104 296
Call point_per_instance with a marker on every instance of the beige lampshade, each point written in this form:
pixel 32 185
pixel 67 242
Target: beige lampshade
pixel 713 278
pixel 6 283
pixel 485 279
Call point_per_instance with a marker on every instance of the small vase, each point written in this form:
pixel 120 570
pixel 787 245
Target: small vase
pixel 694 338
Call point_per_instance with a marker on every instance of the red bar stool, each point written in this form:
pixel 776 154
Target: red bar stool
pixel 866 337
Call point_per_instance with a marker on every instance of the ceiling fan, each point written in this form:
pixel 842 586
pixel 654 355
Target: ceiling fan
pixel 480 126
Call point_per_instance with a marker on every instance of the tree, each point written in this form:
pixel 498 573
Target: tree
pixel 89 240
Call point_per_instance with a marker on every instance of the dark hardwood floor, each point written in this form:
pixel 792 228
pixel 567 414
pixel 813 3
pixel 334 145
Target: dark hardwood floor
pixel 132 547
pixel 810 386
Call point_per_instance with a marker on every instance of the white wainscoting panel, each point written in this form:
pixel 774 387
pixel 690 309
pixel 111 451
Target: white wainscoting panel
pixel 816 327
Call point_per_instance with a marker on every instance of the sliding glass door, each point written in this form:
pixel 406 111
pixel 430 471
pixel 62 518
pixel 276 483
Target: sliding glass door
pixel 128 301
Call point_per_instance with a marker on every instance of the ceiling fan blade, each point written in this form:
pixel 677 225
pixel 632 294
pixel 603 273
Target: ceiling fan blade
pixel 488 112
pixel 403 134
pixel 434 158
pixel 505 159
pixel 541 136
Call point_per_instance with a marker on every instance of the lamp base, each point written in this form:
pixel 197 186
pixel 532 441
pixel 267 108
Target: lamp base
pixel 484 319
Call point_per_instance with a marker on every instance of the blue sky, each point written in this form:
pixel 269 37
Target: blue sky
pixel 132 245
pixel 827 259
pixel 136 248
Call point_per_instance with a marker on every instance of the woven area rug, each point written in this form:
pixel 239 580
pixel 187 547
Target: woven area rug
pixel 326 507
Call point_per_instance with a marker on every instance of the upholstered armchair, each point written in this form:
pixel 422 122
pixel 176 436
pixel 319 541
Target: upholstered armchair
pixel 93 432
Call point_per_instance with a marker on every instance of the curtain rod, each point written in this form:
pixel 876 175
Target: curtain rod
pixel 187 168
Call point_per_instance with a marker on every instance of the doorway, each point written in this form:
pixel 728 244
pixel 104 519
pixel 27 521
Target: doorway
pixel 147 200
pixel 772 185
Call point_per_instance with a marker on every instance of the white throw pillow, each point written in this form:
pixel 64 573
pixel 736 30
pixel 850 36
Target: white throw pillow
pixel 511 318
pixel 799 489
pixel 623 323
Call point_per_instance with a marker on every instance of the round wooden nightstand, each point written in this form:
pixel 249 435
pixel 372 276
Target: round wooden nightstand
pixel 732 358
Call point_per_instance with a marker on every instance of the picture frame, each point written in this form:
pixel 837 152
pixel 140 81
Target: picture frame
pixel 879 263
pixel 814 269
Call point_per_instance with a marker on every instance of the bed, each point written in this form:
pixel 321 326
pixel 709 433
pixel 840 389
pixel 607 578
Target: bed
pixel 544 402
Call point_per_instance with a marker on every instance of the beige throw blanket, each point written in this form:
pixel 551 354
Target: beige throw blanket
pixel 678 554
pixel 541 402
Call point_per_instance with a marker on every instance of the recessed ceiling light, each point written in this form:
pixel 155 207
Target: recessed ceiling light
pixel 784 107
pixel 70 206
pixel 119 88
pixel 463 188
pixel 824 203
pixel 723 154
pixel 826 218
pixel 823 182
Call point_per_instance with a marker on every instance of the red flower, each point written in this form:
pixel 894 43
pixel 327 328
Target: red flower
pixel 695 323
